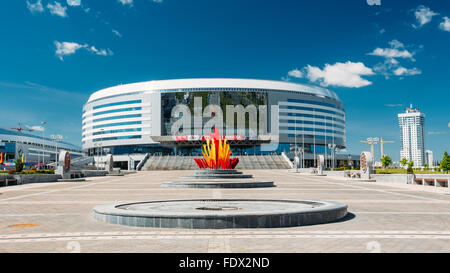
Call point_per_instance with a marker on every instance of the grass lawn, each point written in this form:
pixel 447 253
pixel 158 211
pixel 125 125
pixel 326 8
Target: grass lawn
pixel 403 171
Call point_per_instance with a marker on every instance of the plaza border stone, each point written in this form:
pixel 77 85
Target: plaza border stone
pixel 320 212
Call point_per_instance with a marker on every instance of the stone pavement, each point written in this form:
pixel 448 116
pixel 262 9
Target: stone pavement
pixel 57 217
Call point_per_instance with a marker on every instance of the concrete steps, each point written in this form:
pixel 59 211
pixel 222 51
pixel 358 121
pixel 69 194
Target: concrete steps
pixel 246 162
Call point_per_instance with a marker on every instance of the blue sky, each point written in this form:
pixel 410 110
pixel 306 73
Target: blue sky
pixel 378 58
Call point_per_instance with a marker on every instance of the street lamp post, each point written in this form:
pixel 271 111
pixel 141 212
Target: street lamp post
pixel 333 151
pixel 303 155
pixel 43 142
pixel 101 147
pixel 56 139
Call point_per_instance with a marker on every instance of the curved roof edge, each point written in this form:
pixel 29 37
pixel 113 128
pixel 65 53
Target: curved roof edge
pixel 211 83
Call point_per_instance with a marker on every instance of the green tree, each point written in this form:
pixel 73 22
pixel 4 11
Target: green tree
pixel 19 166
pixel 445 162
pixel 403 162
pixel 410 167
pixel 386 161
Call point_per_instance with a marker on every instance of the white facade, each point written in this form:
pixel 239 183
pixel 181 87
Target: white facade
pixel 412 135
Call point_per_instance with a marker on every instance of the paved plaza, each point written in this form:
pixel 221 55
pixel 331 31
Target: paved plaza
pixel 57 217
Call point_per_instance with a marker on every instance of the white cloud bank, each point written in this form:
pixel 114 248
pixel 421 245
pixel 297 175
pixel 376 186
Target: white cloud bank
pixel 74 3
pixel 424 15
pixel 126 2
pixel 295 73
pixel 69 48
pixel 401 71
pixel 391 66
pixel 445 25
pixel 36 7
pixel 57 9
pixel 397 50
pixel 347 74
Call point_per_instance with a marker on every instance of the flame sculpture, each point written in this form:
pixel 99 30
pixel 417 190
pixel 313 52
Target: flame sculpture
pixel 216 154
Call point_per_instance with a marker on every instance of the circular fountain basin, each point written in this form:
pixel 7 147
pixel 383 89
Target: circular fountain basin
pixel 218 174
pixel 221 213
pixel 219 184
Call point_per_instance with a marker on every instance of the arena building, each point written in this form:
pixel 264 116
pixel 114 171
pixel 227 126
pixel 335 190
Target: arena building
pixel 137 118
pixel 32 149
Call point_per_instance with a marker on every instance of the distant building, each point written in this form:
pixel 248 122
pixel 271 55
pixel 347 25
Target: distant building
pixel 429 158
pixel 31 148
pixel 412 135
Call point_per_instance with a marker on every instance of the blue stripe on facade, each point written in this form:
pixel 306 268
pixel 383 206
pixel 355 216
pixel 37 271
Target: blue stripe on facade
pixel 314 109
pixel 118 117
pixel 117 103
pixel 314 103
pixel 118 110
pixel 117 124
pixel 117 131
pixel 116 138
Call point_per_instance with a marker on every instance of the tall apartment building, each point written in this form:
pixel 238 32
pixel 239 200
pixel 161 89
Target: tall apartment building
pixel 412 135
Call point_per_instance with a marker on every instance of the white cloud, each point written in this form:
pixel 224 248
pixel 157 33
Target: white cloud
pixel 401 71
pixel 391 66
pixel 340 74
pixel 126 2
pixel 36 7
pixel 438 133
pixel 117 33
pixel 396 44
pixel 393 105
pixel 424 15
pixel 57 9
pixel 295 73
pixel 392 53
pixel 36 128
pixel 74 3
pixel 67 48
pixel 102 52
pixel 396 50
pixel 445 25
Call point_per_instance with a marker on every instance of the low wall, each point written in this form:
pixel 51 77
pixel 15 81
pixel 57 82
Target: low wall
pixel 36 178
pixel 394 178
pixel 92 173
pixel 335 173
pixel 408 178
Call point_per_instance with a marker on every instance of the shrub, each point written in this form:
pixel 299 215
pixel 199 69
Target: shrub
pixel 410 169
pixel 386 161
pixel 19 166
